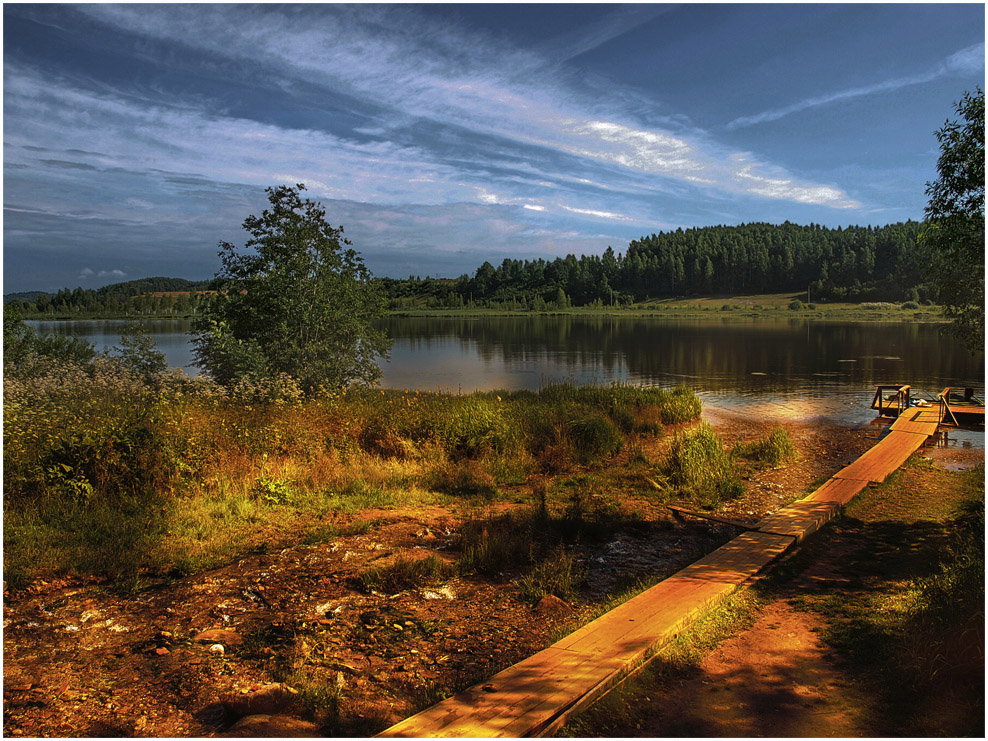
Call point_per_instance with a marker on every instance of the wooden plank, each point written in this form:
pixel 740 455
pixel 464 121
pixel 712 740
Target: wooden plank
pixel 739 559
pixel 891 452
pixel 799 519
pixel 702 516
pixel 839 491
pixel 918 420
pixel 534 692
pixel 656 613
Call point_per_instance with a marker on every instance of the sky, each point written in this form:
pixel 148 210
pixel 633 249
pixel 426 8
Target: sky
pixel 138 137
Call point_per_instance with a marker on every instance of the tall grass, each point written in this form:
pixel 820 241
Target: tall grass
pixel 700 468
pixel 772 450
pixel 110 473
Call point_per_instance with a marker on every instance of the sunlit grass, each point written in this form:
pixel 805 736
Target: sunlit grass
pixel 185 475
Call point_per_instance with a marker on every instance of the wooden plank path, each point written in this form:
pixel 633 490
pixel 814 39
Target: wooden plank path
pixel 538 695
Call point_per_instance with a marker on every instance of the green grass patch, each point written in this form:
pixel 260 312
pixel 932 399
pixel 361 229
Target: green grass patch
pixel 700 468
pixel 773 450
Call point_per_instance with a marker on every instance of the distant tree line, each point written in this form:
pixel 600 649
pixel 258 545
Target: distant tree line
pixel 853 264
pixel 144 297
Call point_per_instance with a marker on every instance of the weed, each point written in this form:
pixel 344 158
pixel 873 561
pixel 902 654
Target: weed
pixel 700 467
pixel 273 491
pixel 406 573
pixel 773 450
pixel 556 575
pixel 496 545
pixel 464 478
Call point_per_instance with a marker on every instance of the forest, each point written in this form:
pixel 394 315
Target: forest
pixel 843 264
pixel 852 264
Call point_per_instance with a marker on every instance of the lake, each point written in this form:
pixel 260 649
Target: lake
pixel 777 368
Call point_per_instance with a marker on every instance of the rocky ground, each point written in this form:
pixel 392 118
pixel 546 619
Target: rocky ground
pixel 288 643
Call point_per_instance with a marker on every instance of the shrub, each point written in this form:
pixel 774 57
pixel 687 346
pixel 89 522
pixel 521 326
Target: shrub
pixel 796 305
pixel 680 405
pixel 594 437
pixel 910 305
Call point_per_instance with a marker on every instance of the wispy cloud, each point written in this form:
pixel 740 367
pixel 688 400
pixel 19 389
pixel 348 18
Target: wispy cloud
pixel 414 71
pixel 967 60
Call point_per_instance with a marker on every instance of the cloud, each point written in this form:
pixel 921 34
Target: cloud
pixel 88 273
pixel 597 214
pixel 968 60
pixel 414 70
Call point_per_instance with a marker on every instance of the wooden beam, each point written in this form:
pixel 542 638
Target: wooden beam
pixel 681 511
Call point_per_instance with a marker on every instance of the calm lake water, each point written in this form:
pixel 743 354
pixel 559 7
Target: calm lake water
pixel 778 368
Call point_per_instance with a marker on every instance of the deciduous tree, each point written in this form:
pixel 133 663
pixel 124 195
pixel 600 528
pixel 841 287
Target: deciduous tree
pixel 295 299
pixel 955 232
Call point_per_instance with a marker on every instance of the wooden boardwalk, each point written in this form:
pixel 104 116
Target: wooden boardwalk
pixel 539 695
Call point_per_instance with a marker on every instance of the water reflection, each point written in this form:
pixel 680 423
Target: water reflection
pixel 778 369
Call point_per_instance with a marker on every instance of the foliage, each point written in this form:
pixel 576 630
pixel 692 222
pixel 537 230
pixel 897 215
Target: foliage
pixel 955 232
pixel 189 473
pixel 294 300
pixel 22 345
pixel 139 354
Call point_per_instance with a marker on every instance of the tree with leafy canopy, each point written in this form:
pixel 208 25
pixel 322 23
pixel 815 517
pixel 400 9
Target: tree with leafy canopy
pixel 955 230
pixel 296 300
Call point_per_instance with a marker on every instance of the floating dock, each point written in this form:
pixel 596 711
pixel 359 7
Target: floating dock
pixel 538 695
pixel 958 407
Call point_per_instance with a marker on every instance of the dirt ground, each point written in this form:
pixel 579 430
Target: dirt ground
pixel 773 680
pixel 193 656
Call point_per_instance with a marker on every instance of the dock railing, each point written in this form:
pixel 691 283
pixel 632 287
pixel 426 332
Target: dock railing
pixel 891 404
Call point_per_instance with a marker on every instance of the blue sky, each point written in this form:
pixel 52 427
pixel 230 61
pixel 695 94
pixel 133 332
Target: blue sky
pixel 136 137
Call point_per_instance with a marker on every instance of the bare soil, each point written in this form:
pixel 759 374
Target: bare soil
pixel 83 660
pixel 775 679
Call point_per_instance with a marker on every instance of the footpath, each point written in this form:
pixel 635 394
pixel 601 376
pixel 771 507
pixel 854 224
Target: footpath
pixel 537 696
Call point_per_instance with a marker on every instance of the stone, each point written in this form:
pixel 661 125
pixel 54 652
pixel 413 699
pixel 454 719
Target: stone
pixel 220 635
pixel 272 726
pixel 271 699
pixel 552 605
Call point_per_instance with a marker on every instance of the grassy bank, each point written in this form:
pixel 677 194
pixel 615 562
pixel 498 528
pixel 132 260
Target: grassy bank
pixel 108 474
pixel 766 306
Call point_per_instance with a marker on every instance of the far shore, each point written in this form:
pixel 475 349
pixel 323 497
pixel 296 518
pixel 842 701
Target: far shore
pixel 765 306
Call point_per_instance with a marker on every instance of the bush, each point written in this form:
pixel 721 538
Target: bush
pixel 594 437
pixel 910 305
pixel 796 305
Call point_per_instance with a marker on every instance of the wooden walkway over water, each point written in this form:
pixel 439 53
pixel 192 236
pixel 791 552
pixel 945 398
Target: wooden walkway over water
pixel 537 696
